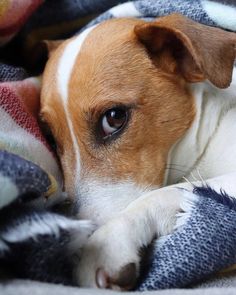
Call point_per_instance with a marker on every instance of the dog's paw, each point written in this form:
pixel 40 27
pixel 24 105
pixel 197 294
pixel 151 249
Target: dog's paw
pixel 110 259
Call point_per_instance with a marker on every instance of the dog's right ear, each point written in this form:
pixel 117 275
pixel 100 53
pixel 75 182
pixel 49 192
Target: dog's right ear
pixel 51 45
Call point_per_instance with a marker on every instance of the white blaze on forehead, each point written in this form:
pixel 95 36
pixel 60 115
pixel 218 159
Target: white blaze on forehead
pixel 64 72
pixel 67 62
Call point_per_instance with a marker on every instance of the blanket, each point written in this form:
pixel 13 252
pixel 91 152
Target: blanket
pixel 33 239
pixel 202 243
pixel 31 182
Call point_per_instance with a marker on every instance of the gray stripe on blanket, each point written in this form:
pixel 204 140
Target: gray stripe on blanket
pixel 189 8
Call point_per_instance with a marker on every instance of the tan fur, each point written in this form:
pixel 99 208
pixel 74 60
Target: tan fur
pixel 148 67
pixel 144 65
pixel 119 71
pixel 200 50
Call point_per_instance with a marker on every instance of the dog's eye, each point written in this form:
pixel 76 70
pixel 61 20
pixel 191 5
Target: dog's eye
pixel 113 121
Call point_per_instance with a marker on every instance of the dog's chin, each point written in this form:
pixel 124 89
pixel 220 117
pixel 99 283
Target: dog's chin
pixel 100 201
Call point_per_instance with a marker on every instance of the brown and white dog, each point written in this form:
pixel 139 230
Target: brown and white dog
pixel 136 106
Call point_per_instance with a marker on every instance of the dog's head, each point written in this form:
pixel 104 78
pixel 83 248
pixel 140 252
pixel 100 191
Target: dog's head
pixel 116 98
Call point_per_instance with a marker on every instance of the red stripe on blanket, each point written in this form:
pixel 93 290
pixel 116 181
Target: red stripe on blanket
pixel 11 103
pixel 22 18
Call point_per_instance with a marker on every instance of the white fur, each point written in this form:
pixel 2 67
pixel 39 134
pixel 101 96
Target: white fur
pixel 118 242
pixel 64 72
pixel 67 62
pixel 201 149
pixel 125 10
pixel 188 203
pixel 210 142
pixel 115 248
pixel 129 216
pixel 223 15
pixel 102 200
pixel 209 146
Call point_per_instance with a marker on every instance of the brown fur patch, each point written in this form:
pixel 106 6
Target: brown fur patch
pixel 113 68
pixel 201 52
pixel 117 70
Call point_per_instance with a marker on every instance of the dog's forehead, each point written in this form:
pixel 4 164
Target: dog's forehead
pixel 90 45
pixel 67 62
pixel 90 62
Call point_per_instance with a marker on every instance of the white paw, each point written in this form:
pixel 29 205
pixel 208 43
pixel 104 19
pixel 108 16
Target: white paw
pixel 110 259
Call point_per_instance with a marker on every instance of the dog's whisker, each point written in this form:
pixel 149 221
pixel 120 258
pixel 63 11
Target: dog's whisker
pixel 187 180
pixel 193 176
pixel 201 178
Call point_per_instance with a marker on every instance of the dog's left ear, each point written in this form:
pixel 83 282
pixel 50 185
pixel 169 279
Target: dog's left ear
pixel 197 52
pixel 51 45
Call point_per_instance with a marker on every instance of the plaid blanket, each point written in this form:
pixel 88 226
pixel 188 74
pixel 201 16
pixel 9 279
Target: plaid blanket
pixel 34 239
pixel 202 244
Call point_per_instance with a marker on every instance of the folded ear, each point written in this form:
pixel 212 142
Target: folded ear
pixel 197 52
pixel 51 45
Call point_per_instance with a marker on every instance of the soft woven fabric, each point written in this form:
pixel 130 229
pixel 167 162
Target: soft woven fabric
pixel 33 242
pixel 37 241
pixel 13 15
pixel 20 133
pixel 212 13
pixel 21 179
pixel 30 178
pixel 9 73
pixel 201 246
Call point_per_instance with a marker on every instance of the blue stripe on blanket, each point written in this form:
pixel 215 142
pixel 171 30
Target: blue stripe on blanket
pixel 201 246
pixel 11 73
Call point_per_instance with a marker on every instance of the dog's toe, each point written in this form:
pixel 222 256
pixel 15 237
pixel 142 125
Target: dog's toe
pixel 125 279
pixel 110 259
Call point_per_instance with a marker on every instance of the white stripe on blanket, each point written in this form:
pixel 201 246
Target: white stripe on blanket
pixel 18 141
pixel 223 15
pixel 47 224
pixel 125 10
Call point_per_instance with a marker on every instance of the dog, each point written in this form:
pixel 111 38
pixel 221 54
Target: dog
pixel 135 107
